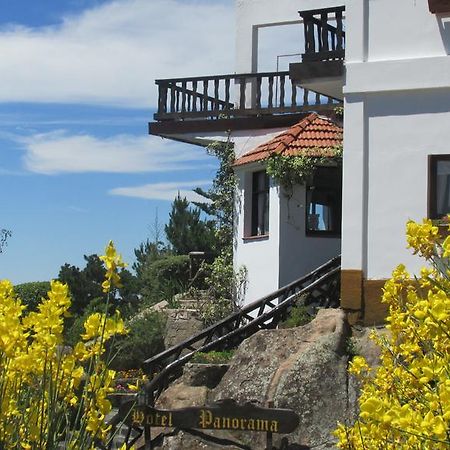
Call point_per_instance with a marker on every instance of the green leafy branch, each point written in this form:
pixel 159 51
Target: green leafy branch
pixel 289 171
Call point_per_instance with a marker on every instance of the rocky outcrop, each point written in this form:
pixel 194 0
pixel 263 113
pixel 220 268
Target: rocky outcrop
pixel 303 369
pixel 181 324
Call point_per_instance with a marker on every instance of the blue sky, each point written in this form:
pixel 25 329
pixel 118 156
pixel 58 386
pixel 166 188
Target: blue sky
pixel 77 166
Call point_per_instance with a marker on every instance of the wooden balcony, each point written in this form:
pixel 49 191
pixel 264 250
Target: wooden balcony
pixel 322 66
pixel 324 34
pixel 238 101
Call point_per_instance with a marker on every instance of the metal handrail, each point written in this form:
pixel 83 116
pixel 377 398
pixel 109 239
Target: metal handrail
pixel 319 286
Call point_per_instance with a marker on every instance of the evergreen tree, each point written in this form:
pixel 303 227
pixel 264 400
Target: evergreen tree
pixel 85 285
pixel 220 197
pixel 186 231
pixel 4 235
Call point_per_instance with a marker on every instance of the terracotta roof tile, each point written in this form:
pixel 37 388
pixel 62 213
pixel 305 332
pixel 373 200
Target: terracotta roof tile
pixel 314 135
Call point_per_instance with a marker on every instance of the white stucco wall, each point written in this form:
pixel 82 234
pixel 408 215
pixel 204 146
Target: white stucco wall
pixel 260 255
pixel 395 45
pixel 397 111
pixel 253 14
pixel 287 253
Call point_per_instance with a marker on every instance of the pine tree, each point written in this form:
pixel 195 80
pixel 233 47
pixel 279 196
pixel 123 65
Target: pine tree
pixel 186 231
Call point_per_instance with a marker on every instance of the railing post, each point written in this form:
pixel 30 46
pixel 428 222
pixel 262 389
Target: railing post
pixel 216 94
pixel 205 95
pixel 282 91
pixel 270 100
pixel 194 96
pixel 227 92
pixel 258 92
pixel 242 87
pixel 339 31
pixel 325 31
pixel 162 99
pixel 294 94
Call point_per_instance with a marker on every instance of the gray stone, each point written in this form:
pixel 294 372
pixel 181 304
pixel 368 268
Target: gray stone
pixel 303 369
pixel 181 324
pixel 208 375
pixel 182 440
pixel 158 307
pixel 179 395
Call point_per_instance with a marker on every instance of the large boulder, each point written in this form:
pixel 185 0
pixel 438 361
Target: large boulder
pixel 181 325
pixel 303 369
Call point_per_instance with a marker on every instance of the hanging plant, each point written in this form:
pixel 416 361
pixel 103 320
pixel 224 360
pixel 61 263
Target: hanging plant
pixel 289 171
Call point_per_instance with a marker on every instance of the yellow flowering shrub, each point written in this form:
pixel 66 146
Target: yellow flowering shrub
pixel 52 397
pixel 405 402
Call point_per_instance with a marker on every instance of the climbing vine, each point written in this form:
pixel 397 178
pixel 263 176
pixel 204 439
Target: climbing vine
pixel 289 171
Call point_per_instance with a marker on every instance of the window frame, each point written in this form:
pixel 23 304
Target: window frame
pixel 256 194
pixel 337 206
pixel 433 161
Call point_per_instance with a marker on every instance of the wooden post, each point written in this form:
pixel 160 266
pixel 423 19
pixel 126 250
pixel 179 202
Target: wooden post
pixel 148 437
pixel 269 445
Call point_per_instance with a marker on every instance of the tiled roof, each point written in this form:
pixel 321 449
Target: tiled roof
pixel 314 135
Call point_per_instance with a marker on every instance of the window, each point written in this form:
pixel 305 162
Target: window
pixel 438 186
pixel 260 204
pixel 323 202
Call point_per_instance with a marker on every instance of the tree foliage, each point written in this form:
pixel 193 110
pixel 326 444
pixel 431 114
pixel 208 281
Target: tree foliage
pixel 32 293
pixel 405 403
pixel 186 231
pixel 145 338
pixel 85 286
pixel 4 235
pixel 220 197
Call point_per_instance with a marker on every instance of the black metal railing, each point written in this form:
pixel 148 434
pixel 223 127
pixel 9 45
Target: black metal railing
pixel 319 288
pixel 237 95
pixel 324 34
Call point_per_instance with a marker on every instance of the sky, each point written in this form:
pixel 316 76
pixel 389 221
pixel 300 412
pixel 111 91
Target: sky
pixel 77 166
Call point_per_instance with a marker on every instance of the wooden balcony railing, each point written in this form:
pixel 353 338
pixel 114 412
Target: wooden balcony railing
pixel 324 34
pixel 231 96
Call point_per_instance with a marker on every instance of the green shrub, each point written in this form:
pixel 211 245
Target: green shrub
pixel 298 316
pixel 32 293
pixel 222 357
pixel 145 339
pixel 163 278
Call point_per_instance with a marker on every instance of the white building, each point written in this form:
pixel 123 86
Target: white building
pixel 388 61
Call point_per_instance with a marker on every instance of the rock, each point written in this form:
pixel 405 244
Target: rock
pixel 181 324
pixel 179 395
pixel 364 346
pixel 303 369
pixel 182 440
pixel 208 375
pixel 160 306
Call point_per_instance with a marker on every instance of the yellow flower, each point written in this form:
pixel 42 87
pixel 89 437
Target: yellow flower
pixel 405 402
pixel 112 261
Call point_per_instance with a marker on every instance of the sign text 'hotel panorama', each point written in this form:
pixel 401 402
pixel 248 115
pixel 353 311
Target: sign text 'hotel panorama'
pixel 226 415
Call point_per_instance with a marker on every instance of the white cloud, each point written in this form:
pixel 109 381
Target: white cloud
pixel 112 53
pixel 164 191
pixel 59 152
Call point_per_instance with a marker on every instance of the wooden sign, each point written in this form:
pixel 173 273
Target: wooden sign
pixel 439 6
pixel 226 415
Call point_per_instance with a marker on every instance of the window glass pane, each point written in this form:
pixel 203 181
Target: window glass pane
pixel 322 203
pixel 443 187
pixel 323 200
pixel 260 204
